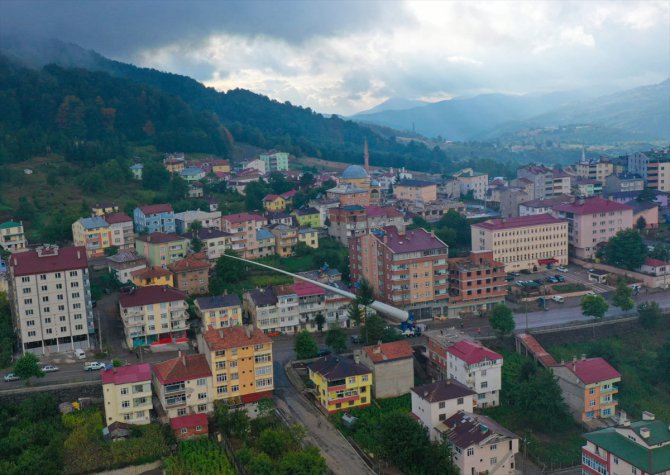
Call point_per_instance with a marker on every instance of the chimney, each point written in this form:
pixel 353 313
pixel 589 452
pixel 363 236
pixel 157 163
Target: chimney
pixel 583 356
pixel 220 333
pixel 645 433
pixel 648 416
pixel 357 358
pixel 183 360
pixel 247 330
pixel 78 255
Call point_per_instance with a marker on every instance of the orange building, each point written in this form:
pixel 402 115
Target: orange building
pixel 152 276
pixel 191 274
pixel 476 283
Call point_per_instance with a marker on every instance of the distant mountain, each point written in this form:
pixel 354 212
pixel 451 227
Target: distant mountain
pixel 393 104
pixel 464 118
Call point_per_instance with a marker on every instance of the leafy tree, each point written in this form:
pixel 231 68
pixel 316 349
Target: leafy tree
pixel 6 332
pixel 301 249
pixel 304 462
pixel 336 339
pixel 155 176
pixel 202 456
pixel 641 223
pixel 196 244
pixel 660 251
pixel 195 226
pixel 273 442
pixel 305 345
pixel 623 296
pixel 404 442
pixel 391 334
pixel 626 250
pixel 355 313
pixel 502 320
pixel 27 366
pixel 306 181
pixel 594 306
pixel 232 422
pixel 373 329
pixel 663 363
pixel 365 294
pixel 227 271
pixel 649 314
pixel 320 321
pixel 25 210
pixel 117 363
pixel 260 464
pixel 111 251
pixel 254 193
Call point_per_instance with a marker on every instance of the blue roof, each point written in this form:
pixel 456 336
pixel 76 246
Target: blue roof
pixel 352 207
pixel 354 172
pixel 263 234
pixel 191 171
pixel 93 222
pixel 137 166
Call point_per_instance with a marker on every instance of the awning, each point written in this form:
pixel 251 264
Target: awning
pixel 548 261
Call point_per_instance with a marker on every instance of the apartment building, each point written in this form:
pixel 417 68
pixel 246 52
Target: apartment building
pixel 154 275
pixel 546 182
pixel 481 445
pixel 214 242
pixel 153 315
pixel 473 182
pixel 191 274
pixel 307 217
pixel 524 242
pixel 273 309
pixel 219 311
pixel 348 195
pixel 274 203
pixel 392 366
pixel 323 205
pixel 241 362
pixel 103 208
pixel 92 234
pixel 263 246
pixel 174 163
pixel 311 302
pixel 598 169
pixel 510 199
pixel 122 235
pixel 589 387
pixel 546 206
pixel 415 190
pixel 379 217
pixel 476 283
pixel 127 394
pixel 405 269
pixel 639 448
pixel 12 237
pixel 286 238
pixel 124 263
pixel 347 222
pixel 274 161
pixel 50 297
pixel 207 219
pixel 183 385
pixel 309 236
pixel 622 183
pixel 592 221
pixel 653 166
pixel 242 228
pixel 341 383
pixel 161 249
pixel 434 403
pixel 154 218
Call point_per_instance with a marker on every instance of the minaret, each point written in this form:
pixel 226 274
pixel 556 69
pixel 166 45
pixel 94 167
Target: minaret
pixel 583 154
pixel 366 156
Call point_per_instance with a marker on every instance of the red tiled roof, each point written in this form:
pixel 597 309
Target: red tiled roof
pixel 538 350
pixel 190 420
pixel 192 262
pixel 150 295
pixel 289 194
pixel 233 337
pixel 156 209
pixel 114 218
pixel 133 373
pixel 182 368
pixel 159 238
pixel 302 289
pixel 270 197
pixel 385 211
pixel 150 273
pixel 66 258
pixel 519 222
pixel 389 351
pixel 593 370
pixel 648 261
pixel 591 206
pixel 548 202
pixel 472 352
pixel 411 241
pixel 242 217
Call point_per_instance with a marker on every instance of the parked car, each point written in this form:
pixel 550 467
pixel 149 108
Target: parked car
pixel 559 278
pixel 94 366
pixel 562 269
pixel 79 353
pixel 11 377
pixel 557 298
pixel 552 280
pixel 515 274
pixel 509 278
pixel 590 292
pixel 49 368
pixel 538 281
pixel 355 338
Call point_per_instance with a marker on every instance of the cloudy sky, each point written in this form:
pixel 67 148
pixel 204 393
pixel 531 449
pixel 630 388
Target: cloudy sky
pixel 344 57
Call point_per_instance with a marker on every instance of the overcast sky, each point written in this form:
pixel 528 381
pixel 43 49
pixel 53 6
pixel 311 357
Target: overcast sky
pixel 345 57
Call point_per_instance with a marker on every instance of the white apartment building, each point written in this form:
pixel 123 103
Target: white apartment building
pixel 215 243
pixel 274 309
pixel 433 404
pixel 127 394
pixel 50 296
pixel 183 385
pixel 207 219
pixel 478 368
pixel 470 180
pixel 122 234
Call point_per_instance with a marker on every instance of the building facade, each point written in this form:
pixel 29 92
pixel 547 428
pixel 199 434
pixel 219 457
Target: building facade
pixel 242 228
pixel 274 161
pixel 207 219
pixel 154 218
pixel 392 366
pixel 547 182
pixel 473 182
pixel 191 274
pixel 598 169
pixel 93 234
pixel 124 263
pixel 161 249
pixel 476 283
pixel 183 385
pixel 341 383
pixel 12 237
pixel 219 311
pixel 127 394
pixel 415 190
pixel 434 403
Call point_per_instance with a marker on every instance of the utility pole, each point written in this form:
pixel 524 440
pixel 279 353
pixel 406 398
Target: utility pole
pixel 99 330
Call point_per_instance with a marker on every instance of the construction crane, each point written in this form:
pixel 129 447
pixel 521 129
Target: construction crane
pixel 380 307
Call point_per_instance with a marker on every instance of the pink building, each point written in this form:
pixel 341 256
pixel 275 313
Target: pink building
pixel 592 221
pixel 243 227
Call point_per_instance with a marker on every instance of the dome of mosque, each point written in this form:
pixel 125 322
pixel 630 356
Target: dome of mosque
pixel 353 172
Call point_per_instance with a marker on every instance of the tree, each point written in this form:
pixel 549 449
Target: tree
pixel 273 442
pixel 117 363
pixel 306 181
pixel 355 313
pixel 623 296
pixel 403 441
pixel 649 314
pixel 336 339
pixel 301 249
pixel 304 462
pixel 641 223
pixel 27 366
pixel 305 345
pixel 594 306
pixel 111 251
pixel 365 294
pixel 227 271
pixel 260 464
pixel 195 226
pixel 373 329
pixel 320 321
pixel 660 251
pixel 155 176
pixel 626 250
pixel 502 320
pixel 663 363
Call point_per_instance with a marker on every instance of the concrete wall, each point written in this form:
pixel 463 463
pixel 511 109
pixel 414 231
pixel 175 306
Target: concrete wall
pixel 393 378
pixel 647 280
pixel 62 392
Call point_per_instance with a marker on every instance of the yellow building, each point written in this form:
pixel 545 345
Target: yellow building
pixel 92 233
pixel 101 209
pixel 219 311
pixel 12 237
pixel 274 203
pixel 152 276
pixel 309 236
pixel 341 383
pixel 286 237
pixel 241 362
pixel 127 393
pixel 307 217
pixel 221 166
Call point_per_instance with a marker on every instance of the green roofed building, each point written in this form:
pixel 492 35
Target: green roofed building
pixel 635 448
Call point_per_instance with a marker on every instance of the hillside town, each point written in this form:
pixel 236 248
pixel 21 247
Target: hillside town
pixel 180 329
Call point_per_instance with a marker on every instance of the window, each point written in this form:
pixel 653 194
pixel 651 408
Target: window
pixel 235 388
pixel 442 405
pixel 234 376
pixel 184 430
pixel 352 379
pixel 28 301
pixel 221 378
pixel 364 377
pixel 124 391
pixel 443 417
pixel 633 471
pixel 201 382
pixel 592 390
pixel 181 412
pixel 494 446
pixel 202 407
pixel 25 279
pixel 484 385
pixel 125 404
pixel 459 401
pixel 198 428
pixel 470 452
pixel 222 389
pixel 494 460
pixel 220 365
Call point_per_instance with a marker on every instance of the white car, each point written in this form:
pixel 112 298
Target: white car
pixel 11 377
pixel 93 366
pixel 49 368
pixel 562 269
pixel 557 298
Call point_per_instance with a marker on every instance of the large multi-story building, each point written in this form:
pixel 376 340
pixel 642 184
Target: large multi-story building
pixel 242 228
pixel 93 234
pixel 12 238
pixel 121 231
pixel 622 183
pixel 274 161
pixel 592 221
pixel 207 219
pixel 547 182
pixel 183 385
pixel 152 315
pixel 341 383
pixel 286 238
pixel 434 403
pixel 154 275
pixel 124 263
pixel 311 303
pixel 638 448
pixel 415 190
pixel 127 394
pixel 392 366
pixel 347 222
pixel 473 182
pixel 191 274
pixel 219 311
pixel 534 207
pixel 274 309
pixel 653 166
pixel 523 242
pixel 241 362
pixel 161 249
pixel 215 243
pixel 307 217
pixel 476 283
pixel 408 270
pixel 50 296
pixel 598 169
pixel 154 218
